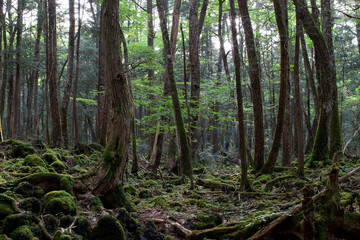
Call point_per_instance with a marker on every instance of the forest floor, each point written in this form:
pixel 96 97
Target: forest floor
pixel 163 200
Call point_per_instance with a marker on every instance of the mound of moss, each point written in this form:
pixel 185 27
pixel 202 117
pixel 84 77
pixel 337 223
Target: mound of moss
pixel 26 190
pixel 23 233
pixel 108 228
pixel 82 227
pixel 59 166
pixel 34 161
pixel 31 204
pixel 50 157
pixel 204 220
pixel 14 221
pixel 7 206
pixel 60 202
pixel 19 148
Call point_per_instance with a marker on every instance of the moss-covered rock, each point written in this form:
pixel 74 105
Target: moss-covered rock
pixel 82 227
pixel 96 204
pixel 130 189
pixel 50 157
pixel 60 202
pixel 14 221
pixel 26 190
pixel 61 236
pixel 108 228
pixel 7 206
pixel 51 223
pixel 204 220
pixel 33 161
pixel 19 148
pixel 81 160
pixel 128 222
pixel 59 166
pixel 158 201
pixel 149 231
pixel 31 204
pixel 66 221
pixel 49 181
pixel 145 193
pixel 23 233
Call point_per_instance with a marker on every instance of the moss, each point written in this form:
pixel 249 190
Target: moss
pixel 31 204
pixel 145 193
pixel 25 189
pixel 61 236
pixel 158 201
pixel 24 169
pixel 20 149
pixel 22 233
pixel 190 202
pixel 7 206
pixel 128 222
pixel 49 181
pixel 66 221
pixel 33 161
pixel 4 237
pixel 81 159
pixel 150 183
pixel 168 237
pixel 205 220
pixel 82 227
pixel 14 221
pixel 108 228
pixel 96 204
pixel 176 206
pixel 59 166
pixel 95 157
pixel 130 189
pixel 50 157
pixel 60 202
pixel 38 169
pixel 51 223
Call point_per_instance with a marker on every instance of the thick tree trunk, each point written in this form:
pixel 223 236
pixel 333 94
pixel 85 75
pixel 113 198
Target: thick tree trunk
pixel 319 152
pixel 240 113
pixel 254 73
pixel 70 72
pixel 335 126
pixel 56 135
pixel 186 163
pixel 284 78
pixel 106 182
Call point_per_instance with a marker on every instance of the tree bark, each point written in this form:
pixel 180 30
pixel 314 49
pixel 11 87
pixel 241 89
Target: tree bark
pixel 70 72
pixel 284 76
pixel 2 80
pixel 254 73
pixel 75 120
pixel 56 135
pixel 358 34
pixel 186 163
pixel 240 113
pixel 319 151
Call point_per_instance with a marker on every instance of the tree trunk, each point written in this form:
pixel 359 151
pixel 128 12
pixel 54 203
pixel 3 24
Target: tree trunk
pixel 240 113
pixel 56 135
pixel 298 104
pixel 46 90
pixel 75 121
pixel 319 151
pixel 284 78
pixel 254 73
pixel 70 72
pixel 2 80
pixel 186 163
pixel 358 34
pixel 335 126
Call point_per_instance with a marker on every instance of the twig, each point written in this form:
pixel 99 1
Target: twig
pixel 184 231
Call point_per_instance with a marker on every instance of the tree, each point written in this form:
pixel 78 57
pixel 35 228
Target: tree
pixel 70 72
pixel 108 177
pixel 240 112
pixel 56 135
pixel 254 73
pixel 185 160
pixel 75 120
pixel 327 72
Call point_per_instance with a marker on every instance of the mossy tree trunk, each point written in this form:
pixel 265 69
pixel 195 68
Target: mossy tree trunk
pixel 108 176
pixel 327 72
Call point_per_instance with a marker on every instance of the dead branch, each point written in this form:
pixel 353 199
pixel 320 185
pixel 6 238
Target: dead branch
pixel 184 231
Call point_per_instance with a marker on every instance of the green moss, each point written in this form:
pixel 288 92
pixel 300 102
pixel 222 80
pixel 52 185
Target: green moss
pixel 150 183
pixel 130 189
pixel 59 166
pixel 51 223
pixel 4 237
pixel 61 236
pixel 38 169
pixel 108 228
pixel 14 221
pixel 96 204
pixel 158 201
pixel 128 222
pixel 205 220
pixel 52 181
pixel 24 169
pixel 7 206
pixel 50 157
pixel 145 193
pixel 66 221
pixel 95 157
pixel 176 206
pixel 168 237
pixel 81 160
pixel 22 233
pixel 82 227
pixel 31 204
pixel 20 149
pixel 33 161
pixel 60 202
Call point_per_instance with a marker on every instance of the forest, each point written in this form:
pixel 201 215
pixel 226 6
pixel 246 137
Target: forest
pixel 179 119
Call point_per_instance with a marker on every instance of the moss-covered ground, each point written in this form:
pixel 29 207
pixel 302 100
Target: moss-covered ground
pixel 36 193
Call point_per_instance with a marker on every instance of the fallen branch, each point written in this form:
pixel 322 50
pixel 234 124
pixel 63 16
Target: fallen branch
pixel 184 231
pixel 345 177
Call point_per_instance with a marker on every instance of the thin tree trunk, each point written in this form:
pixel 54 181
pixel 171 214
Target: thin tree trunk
pixel 2 80
pixel 46 94
pixel 240 113
pixel 358 34
pixel 37 63
pixel 186 163
pixel 254 73
pixel 70 72
pixel 56 135
pixel 298 104
pixel 75 120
